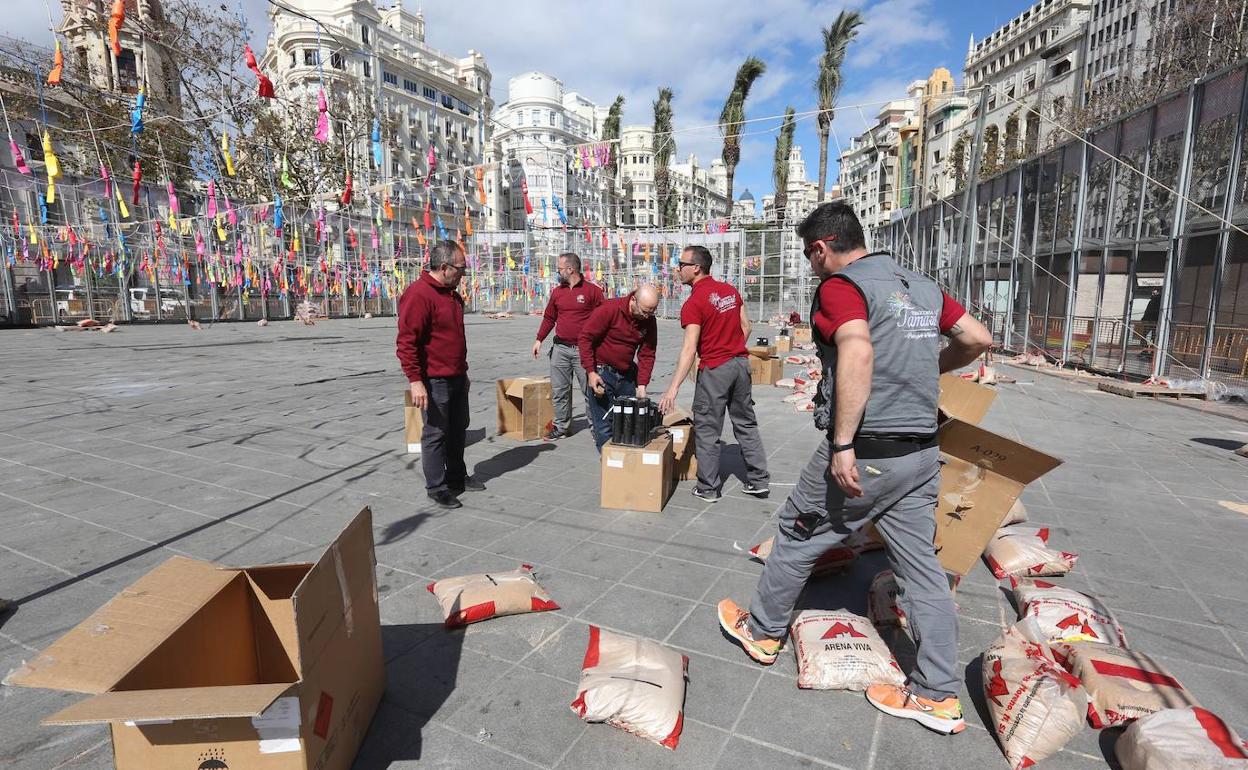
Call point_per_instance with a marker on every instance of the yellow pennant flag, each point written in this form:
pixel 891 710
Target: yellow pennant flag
pixel 296 245
pixel 225 153
pixel 220 230
pixel 121 202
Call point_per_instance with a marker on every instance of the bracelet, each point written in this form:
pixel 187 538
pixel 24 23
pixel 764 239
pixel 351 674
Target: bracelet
pixel 842 447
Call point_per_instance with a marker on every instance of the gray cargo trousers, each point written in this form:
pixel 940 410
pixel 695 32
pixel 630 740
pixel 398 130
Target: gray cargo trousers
pixel 726 387
pixel 899 494
pixel 565 364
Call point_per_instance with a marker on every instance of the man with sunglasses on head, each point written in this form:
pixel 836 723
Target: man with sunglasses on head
pixel 617 347
pixel 716 328
pixel 877 327
pixel 570 305
pixel 434 354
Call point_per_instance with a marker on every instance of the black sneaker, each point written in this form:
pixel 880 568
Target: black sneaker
pixel 709 495
pixel 758 491
pixel 554 434
pixel 445 499
pixel 468 484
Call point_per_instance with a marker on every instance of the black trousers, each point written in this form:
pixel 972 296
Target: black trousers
pixel 444 434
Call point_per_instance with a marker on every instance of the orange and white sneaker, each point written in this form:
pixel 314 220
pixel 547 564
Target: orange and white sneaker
pixel 943 716
pixel 735 622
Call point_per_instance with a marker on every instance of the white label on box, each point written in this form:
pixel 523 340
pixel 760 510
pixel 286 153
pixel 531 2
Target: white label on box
pixel 615 461
pixel 278 726
pixel 146 722
pixel 651 458
pixel 678 434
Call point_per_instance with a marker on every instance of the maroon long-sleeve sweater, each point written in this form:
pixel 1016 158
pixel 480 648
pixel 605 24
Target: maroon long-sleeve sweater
pixel 568 310
pixel 613 336
pixel 431 339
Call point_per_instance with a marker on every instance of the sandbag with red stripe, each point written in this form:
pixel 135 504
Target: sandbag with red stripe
pixel 1022 551
pixel 470 598
pixel 1065 615
pixel 836 559
pixel 1122 685
pixel 882 606
pixel 841 651
pixel 1181 739
pixel 634 684
pixel 1036 705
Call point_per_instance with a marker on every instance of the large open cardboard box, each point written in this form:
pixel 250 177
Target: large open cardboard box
pixel 638 478
pixel 413 424
pixel 801 333
pixel 525 407
pixel 965 400
pixel 679 423
pixel 274 667
pixel 765 371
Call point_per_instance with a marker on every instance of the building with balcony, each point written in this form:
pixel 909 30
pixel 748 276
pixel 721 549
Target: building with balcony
pixel 802 194
pixel 872 166
pixel 142 62
pixel 744 209
pixel 431 99
pixel 701 193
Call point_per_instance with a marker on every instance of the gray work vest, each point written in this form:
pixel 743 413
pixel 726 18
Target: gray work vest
pixel 903 313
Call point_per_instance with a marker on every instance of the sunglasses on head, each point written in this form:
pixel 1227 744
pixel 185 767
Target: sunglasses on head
pixel 810 247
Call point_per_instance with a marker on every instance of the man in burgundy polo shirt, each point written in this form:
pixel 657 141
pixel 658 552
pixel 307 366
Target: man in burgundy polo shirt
pixel 620 330
pixel 569 307
pixel 716 327
pixel 434 354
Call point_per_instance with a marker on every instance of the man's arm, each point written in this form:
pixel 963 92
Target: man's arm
pixel 854 361
pixel 645 358
pixel 591 334
pixel 745 323
pixel 693 332
pixel 968 339
pixel 549 316
pixel 412 328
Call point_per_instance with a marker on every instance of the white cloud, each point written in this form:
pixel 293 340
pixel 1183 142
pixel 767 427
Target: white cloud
pixel 892 25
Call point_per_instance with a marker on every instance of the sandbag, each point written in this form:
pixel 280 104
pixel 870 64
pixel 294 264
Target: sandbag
pixel 1021 549
pixel 470 598
pixel 1065 615
pixel 633 684
pixel 1016 515
pixel 836 559
pixel 1181 739
pixel 1122 685
pixel 865 539
pixel 841 651
pixel 1035 704
pixel 882 607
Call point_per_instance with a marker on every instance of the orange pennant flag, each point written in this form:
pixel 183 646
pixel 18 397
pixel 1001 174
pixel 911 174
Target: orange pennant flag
pixel 481 184
pixel 58 64
pixel 115 20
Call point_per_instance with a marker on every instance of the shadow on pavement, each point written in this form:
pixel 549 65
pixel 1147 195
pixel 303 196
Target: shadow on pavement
pixel 975 692
pixel 399 530
pixel 1229 445
pixel 509 460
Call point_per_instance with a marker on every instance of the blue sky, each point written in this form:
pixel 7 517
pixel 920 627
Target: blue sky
pixel 693 46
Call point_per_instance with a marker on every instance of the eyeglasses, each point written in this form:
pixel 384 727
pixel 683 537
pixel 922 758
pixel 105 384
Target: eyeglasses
pixel 457 268
pixel 688 264
pixel 810 247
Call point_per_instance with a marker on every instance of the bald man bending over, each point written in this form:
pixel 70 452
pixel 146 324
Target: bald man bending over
pixel 617 350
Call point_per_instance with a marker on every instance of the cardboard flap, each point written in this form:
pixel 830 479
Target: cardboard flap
pixel 515 388
pixel 325 598
pixel 159 705
pixel 964 400
pixel 676 417
pixel 99 651
pixel 994 453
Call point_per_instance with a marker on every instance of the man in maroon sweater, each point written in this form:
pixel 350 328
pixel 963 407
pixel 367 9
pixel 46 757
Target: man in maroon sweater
pixel 619 330
pixel 570 305
pixel 434 354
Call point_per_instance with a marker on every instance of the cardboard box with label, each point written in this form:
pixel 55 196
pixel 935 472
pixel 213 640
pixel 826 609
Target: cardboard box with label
pixel 277 667
pixel 762 351
pixel 413 424
pixel 637 478
pixel 801 333
pixel 679 423
pixel 784 343
pixel 524 407
pixel 766 371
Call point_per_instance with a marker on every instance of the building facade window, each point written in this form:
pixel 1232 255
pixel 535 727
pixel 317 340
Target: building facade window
pixel 364 35
pixel 368 68
pixel 335 60
pixel 429 93
pixel 309 57
pixel 390 78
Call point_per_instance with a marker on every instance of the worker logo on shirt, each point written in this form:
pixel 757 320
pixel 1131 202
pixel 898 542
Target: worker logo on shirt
pixel 722 304
pixel 917 322
pixel 580 298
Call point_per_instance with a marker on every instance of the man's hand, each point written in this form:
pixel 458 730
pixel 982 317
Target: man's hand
pixel 537 347
pixel 668 402
pixel 596 384
pixel 844 469
pixel 420 398
pixel 641 391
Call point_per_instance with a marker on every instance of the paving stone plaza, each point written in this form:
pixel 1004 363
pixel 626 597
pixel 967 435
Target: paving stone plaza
pixel 245 445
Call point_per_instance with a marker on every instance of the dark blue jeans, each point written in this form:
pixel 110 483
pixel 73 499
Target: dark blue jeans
pixel 617 385
pixel 445 433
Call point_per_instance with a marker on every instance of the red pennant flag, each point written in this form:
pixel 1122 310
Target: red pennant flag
pixel 524 191
pixel 346 192
pixel 138 179
pixel 266 85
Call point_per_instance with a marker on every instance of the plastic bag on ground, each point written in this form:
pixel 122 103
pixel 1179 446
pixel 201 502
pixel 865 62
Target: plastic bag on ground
pixel 836 559
pixel 1181 739
pixel 1016 515
pixel 1065 615
pixel 1122 685
pixel 1035 704
pixel 841 651
pixel 1022 550
pixel 470 598
pixel 634 684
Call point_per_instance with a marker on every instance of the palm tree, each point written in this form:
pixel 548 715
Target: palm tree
pixel 611 134
pixel 732 117
pixel 663 145
pixel 780 163
pixel 828 85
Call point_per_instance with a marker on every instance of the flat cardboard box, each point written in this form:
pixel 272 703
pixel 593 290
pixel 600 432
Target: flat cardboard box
pixel 276 667
pixel 801 333
pixel 413 424
pixel 965 400
pixel 679 423
pixel 637 478
pixel 762 351
pixel 784 344
pixel 981 476
pixel 765 371
pixel 525 408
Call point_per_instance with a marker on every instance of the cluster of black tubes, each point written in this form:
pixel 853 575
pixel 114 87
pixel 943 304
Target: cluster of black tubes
pixel 633 421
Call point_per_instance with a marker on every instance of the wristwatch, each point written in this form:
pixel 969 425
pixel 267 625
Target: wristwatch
pixel 842 447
